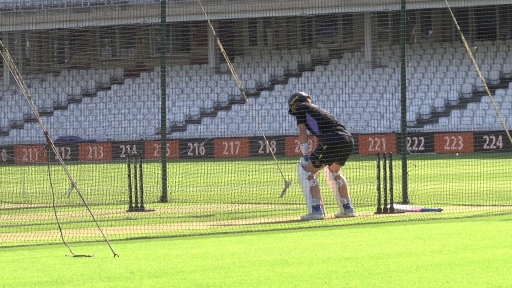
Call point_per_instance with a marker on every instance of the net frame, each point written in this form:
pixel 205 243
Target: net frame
pixel 239 197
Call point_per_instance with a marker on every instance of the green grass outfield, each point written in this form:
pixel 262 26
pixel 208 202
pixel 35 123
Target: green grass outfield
pixel 472 252
pixel 234 195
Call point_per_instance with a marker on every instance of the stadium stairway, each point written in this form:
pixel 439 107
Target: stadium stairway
pixel 252 92
pixel 59 97
pixel 475 96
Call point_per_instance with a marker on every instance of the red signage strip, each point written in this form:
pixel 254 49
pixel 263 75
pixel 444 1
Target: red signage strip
pixel 231 148
pixel 453 143
pixel 377 143
pixel 152 149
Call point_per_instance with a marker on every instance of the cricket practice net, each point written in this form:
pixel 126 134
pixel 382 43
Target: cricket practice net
pixel 138 119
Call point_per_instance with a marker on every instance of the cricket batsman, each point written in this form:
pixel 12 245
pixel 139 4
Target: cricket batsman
pixel 330 149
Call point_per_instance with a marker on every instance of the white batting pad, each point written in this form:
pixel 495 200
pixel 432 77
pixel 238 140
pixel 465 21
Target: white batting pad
pixel 302 177
pixel 329 177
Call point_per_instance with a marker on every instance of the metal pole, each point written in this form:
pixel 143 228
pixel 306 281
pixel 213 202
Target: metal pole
pixel 141 186
pixel 135 185
pixel 378 186
pixel 163 103
pixel 403 106
pixel 130 192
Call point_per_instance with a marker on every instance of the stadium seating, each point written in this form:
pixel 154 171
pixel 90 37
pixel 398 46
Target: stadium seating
pixel 202 103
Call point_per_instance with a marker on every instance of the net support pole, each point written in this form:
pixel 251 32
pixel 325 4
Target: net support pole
pixel 403 105
pixel 163 100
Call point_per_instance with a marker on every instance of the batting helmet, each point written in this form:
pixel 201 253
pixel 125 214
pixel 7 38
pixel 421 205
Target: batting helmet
pixel 299 97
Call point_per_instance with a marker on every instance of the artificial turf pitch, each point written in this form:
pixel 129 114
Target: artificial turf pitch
pixel 471 252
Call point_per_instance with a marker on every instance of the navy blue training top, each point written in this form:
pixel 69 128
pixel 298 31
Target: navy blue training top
pixel 317 120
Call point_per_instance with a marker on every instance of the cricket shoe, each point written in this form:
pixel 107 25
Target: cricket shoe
pixel 312 216
pixel 345 213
